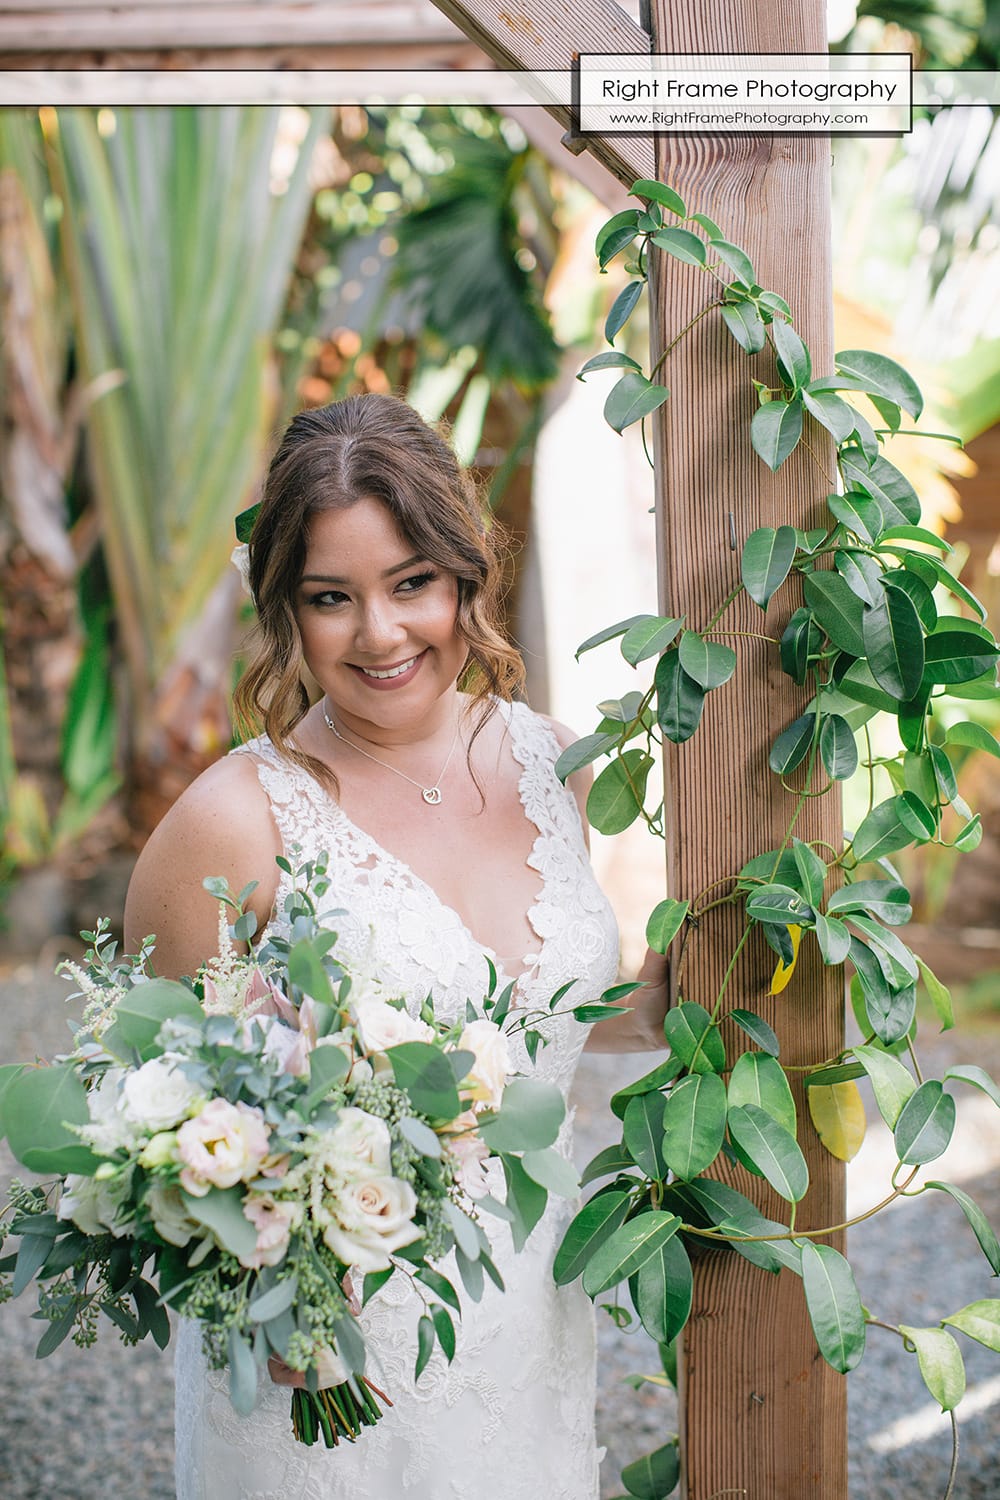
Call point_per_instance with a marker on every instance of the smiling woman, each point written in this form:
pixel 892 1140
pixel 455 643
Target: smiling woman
pixel 451 847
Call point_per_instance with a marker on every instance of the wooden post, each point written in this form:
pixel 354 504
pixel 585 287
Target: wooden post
pixel 762 1415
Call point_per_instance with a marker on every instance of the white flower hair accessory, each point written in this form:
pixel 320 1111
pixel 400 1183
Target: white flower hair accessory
pixel 240 559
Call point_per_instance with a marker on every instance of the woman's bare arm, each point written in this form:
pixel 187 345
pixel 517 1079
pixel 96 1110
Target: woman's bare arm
pixel 221 825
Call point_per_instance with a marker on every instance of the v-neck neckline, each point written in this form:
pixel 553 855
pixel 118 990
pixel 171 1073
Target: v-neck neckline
pixel 531 861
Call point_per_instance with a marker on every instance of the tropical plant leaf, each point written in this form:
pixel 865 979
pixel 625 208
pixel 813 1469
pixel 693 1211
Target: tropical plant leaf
pixel 775 429
pixel 693 1124
pixel 838 1113
pixel 941 1366
pixel 835 1309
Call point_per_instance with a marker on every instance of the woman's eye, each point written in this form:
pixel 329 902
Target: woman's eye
pixel 327 598
pixel 418 581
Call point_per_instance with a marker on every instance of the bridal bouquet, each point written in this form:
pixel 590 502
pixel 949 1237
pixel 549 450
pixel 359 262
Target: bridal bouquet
pixel 263 1147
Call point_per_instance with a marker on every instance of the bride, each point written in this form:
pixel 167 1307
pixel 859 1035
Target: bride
pixel 449 838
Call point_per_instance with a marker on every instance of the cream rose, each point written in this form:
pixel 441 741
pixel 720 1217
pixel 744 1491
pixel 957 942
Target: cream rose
pixel 373 1215
pixel 274 1223
pixel 381 1025
pixel 93 1203
pixel 110 1129
pixel 157 1095
pixel 362 1139
pixel 485 1083
pixel 330 1368
pixel 224 1144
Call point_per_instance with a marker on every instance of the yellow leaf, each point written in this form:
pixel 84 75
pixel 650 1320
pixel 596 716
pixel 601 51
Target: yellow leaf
pixel 838 1114
pixel 784 972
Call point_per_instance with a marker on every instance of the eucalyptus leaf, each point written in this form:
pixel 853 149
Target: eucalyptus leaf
pixel 551 1170
pixel 427 1076
pixel 530 1117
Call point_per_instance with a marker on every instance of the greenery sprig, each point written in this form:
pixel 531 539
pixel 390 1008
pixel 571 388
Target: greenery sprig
pixel 871 636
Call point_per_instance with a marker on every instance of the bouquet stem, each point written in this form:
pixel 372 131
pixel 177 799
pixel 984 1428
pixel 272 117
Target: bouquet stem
pixel 339 1411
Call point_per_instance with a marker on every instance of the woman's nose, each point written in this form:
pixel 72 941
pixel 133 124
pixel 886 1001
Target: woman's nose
pixel 380 628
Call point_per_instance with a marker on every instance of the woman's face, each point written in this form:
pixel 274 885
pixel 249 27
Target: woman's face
pixel 377 620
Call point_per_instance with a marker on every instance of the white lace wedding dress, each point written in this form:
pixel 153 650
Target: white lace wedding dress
pixel 513 1416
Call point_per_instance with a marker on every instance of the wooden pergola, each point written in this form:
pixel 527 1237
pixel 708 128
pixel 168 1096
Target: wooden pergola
pixel 761 1415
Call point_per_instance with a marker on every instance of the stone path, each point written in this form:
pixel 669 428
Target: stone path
pixel 96 1425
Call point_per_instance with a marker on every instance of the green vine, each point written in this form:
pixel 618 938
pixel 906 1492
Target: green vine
pixel 868 638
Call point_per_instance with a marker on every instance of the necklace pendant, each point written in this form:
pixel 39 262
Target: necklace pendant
pixel 431 795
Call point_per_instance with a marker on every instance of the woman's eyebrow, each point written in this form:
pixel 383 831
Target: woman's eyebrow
pixel 329 578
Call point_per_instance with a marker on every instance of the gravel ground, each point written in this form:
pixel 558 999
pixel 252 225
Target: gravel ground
pixel 97 1425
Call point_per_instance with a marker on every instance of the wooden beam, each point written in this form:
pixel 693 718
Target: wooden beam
pixel 761 1414
pixel 548 35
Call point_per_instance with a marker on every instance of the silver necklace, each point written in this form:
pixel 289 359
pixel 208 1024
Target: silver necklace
pixel 430 794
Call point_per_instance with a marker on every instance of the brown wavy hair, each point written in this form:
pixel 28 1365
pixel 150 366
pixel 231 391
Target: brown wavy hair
pixel 367 447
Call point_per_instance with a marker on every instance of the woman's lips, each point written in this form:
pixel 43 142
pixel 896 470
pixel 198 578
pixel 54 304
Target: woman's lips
pixel 394 677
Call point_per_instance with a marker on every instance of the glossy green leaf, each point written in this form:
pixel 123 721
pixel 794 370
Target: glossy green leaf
pixel 757 1030
pixel 723 1207
pixel 885 899
pixel 793 354
pixel 242 1373
pixel 632 398
pixel 530 1116
pixel 915 815
pixel 622 309
pixel 775 429
pixel 882 831
pixel 709 225
pixel 694 1038
pixel 709 664
pixel 627 1249
pixel 799 640
pixel 925 1125
pixel 768 1149
pixel 862 575
pixel 426 1336
pixel 596 1222
pixel 656 1078
pixel 958 655
pixel 736 259
pixel 940 1361
pixel 857 686
pixel 886 941
pixel 932 566
pixel 792 745
pixel 894 644
pixel 857 511
pixel 768 554
pixel 882 377
pixel 917 534
pixel 837 609
pixel 610 632
pixel 665 921
pixel 892 1083
pixel 658 192
pixel 812 871
pixel 607 1163
pixel 832 412
pixel 628 218
pixel 837 747
pixel 653 1476
pixel 980 1321
pixel 833 938
pixel 980 1225
pixel 939 995
pixel 971 835
pixel 897 499
pixel 835 1309
pixel 584 752
pixel 679 699
pixel 609 359
pixel 681 243
pixel 693 1124
pixel 759 1079
pixel 746 326
pixel 779 904
pixel 615 799
pixel 662 1290
pixel 977 1077
pixel 643 1133
pixel 975 736
pixel 649 637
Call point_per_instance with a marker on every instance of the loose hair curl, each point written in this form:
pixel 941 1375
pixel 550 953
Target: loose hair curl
pixel 367 447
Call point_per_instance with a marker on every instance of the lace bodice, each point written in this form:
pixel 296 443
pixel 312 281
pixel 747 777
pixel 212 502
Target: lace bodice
pixel 513 1414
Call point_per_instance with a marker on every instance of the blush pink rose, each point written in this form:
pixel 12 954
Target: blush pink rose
pixel 274 1223
pixel 224 1144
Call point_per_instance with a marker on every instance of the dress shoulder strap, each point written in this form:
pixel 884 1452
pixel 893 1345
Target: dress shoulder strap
pixel 304 813
pixel 549 804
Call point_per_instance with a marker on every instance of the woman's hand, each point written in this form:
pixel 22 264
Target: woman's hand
pixel 640 1028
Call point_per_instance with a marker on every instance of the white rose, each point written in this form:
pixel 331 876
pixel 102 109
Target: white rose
pixel 171 1219
pixel 94 1203
pixel 157 1095
pixel 362 1138
pixel 330 1368
pixel 375 1217
pixel 485 1083
pixel 382 1025
pixel 110 1130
